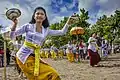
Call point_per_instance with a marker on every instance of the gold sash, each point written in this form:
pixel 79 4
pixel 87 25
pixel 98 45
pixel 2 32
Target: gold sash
pixel 37 55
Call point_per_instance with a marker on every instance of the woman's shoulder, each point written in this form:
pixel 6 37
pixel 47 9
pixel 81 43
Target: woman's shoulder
pixel 29 26
pixel 46 29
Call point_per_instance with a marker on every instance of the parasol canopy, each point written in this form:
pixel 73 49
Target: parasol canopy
pixel 77 30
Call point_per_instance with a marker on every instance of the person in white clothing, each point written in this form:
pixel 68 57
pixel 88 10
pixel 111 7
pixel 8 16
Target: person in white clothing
pixel 28 56
pixel 93 50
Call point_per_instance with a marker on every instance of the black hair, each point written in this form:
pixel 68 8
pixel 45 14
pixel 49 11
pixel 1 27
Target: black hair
pixel 45 22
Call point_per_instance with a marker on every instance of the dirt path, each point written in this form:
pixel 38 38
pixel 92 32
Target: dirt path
pixel 79 71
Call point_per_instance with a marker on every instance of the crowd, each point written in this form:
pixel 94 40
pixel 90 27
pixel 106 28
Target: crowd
pixel 28 55
pixel 74 51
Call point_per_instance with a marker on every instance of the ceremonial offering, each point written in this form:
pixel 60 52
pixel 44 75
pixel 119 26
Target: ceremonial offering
pixel 13 13
pixel 73 19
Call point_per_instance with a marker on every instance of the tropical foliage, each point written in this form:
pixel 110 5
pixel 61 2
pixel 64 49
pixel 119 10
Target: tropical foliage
pixel 107 27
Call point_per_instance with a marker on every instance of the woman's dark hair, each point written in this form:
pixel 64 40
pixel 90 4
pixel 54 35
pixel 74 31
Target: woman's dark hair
pixel 45 22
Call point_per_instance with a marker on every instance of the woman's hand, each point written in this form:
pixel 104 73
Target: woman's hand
pixel 68 21
pixel 72 19
pixel 15 22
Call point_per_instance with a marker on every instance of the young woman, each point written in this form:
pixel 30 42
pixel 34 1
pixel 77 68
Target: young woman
pixel 93 50
pixel 69 49
pixel 105 49
pixel 81 50
pixel 28 55
pixel 1 57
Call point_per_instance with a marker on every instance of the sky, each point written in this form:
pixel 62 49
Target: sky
pixel 57 9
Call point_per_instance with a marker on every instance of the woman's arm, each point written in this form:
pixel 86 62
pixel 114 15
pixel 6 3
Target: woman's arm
pixel 91 40
pixel 60 32
pixel 18 32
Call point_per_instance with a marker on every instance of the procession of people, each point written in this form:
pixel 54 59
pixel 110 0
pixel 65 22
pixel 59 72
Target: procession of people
pixel 28 55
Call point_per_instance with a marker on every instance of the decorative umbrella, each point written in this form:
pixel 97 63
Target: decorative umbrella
pixel 77 30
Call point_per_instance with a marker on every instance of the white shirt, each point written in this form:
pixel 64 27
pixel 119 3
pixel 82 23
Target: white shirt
pixel 34 37
pixel 92 44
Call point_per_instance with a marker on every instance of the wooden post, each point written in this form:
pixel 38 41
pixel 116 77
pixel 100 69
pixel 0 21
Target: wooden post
pixel 4 73
pixel 78 48
pixel 5 78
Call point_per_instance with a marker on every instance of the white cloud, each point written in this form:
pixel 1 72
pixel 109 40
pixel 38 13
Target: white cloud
pixel 63 9
pixel 103 12
pixel 107 7
pixel 102 1
pixel 36 3
pixel 71 5
pixel 3 10
pixel 57 19
pixel 25 17
pixel 4 30
pixel 87 4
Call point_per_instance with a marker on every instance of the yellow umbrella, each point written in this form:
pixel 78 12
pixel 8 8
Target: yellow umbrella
pixel 77 30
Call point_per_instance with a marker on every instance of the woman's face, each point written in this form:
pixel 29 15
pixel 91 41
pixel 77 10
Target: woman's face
pixel 39 16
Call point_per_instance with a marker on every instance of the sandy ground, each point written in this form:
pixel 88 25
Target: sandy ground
pixel 110 69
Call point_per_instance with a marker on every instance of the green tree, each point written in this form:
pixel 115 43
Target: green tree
pixel 82 18
pixel 108 27
pixel 80 22
pixel 1 37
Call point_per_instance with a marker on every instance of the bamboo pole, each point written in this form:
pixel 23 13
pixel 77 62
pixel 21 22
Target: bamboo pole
pixel 4 73
pixel 78 48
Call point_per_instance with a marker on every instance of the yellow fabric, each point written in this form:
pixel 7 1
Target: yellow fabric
pixel 70 57
pixel 60 53
pixel 97 48
pixel 53 55
pixel 42 54
pixel 46 54
pixel 37 55
pixel 46 71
